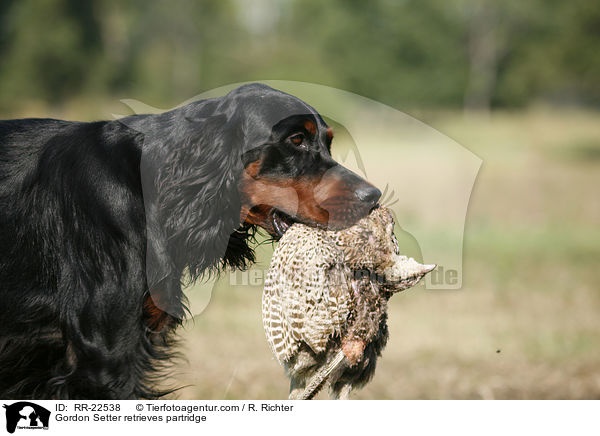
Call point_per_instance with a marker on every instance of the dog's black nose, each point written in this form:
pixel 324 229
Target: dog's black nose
pixel 368 194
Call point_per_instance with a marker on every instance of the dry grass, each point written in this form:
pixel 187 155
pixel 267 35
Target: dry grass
pixel 525 324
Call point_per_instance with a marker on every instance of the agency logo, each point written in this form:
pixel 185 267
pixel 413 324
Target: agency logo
pixel 26 415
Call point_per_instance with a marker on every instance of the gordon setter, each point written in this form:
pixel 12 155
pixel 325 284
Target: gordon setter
pixel 100 221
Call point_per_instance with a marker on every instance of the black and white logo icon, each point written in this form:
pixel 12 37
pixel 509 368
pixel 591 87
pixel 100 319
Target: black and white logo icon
pixel 26 415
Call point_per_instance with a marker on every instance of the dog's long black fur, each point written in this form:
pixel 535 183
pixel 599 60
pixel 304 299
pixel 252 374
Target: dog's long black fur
pixel 99 221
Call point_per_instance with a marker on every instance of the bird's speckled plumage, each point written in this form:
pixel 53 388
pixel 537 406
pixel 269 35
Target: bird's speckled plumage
pixel 326 293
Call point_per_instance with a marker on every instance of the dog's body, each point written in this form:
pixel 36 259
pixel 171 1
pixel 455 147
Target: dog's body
pixel 98 221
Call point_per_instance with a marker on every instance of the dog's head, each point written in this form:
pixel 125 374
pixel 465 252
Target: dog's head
pixel 215 169
pixel 289 175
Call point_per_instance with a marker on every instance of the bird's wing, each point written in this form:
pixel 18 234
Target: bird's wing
pixel 301 300
pixel 326 298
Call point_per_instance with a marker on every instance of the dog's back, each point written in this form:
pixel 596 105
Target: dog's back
pixel 52 174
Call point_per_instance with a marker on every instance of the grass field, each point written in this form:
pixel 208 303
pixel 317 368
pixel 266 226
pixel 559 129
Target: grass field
pixel 526 323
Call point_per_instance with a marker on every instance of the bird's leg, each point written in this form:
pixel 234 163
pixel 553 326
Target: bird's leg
pixel 326 373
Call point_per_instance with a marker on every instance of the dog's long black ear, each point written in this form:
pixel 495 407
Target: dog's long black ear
pixel 198 193
pixel 191 199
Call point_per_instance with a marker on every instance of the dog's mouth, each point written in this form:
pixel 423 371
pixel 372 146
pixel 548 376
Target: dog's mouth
pixel 281 222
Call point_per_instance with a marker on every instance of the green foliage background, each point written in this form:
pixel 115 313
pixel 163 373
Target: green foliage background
pixel 407 53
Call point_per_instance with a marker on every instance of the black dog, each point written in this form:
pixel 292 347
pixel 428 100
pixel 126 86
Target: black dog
pixel 99 221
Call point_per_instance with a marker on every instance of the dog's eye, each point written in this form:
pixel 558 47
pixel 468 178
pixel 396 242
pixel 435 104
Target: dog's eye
pixel 297 139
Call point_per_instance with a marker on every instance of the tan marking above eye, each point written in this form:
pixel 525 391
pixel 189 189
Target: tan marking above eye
pixel 310 127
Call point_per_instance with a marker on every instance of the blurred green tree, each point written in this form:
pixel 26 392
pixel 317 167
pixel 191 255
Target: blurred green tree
pixel 47 46
pixel 476 54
